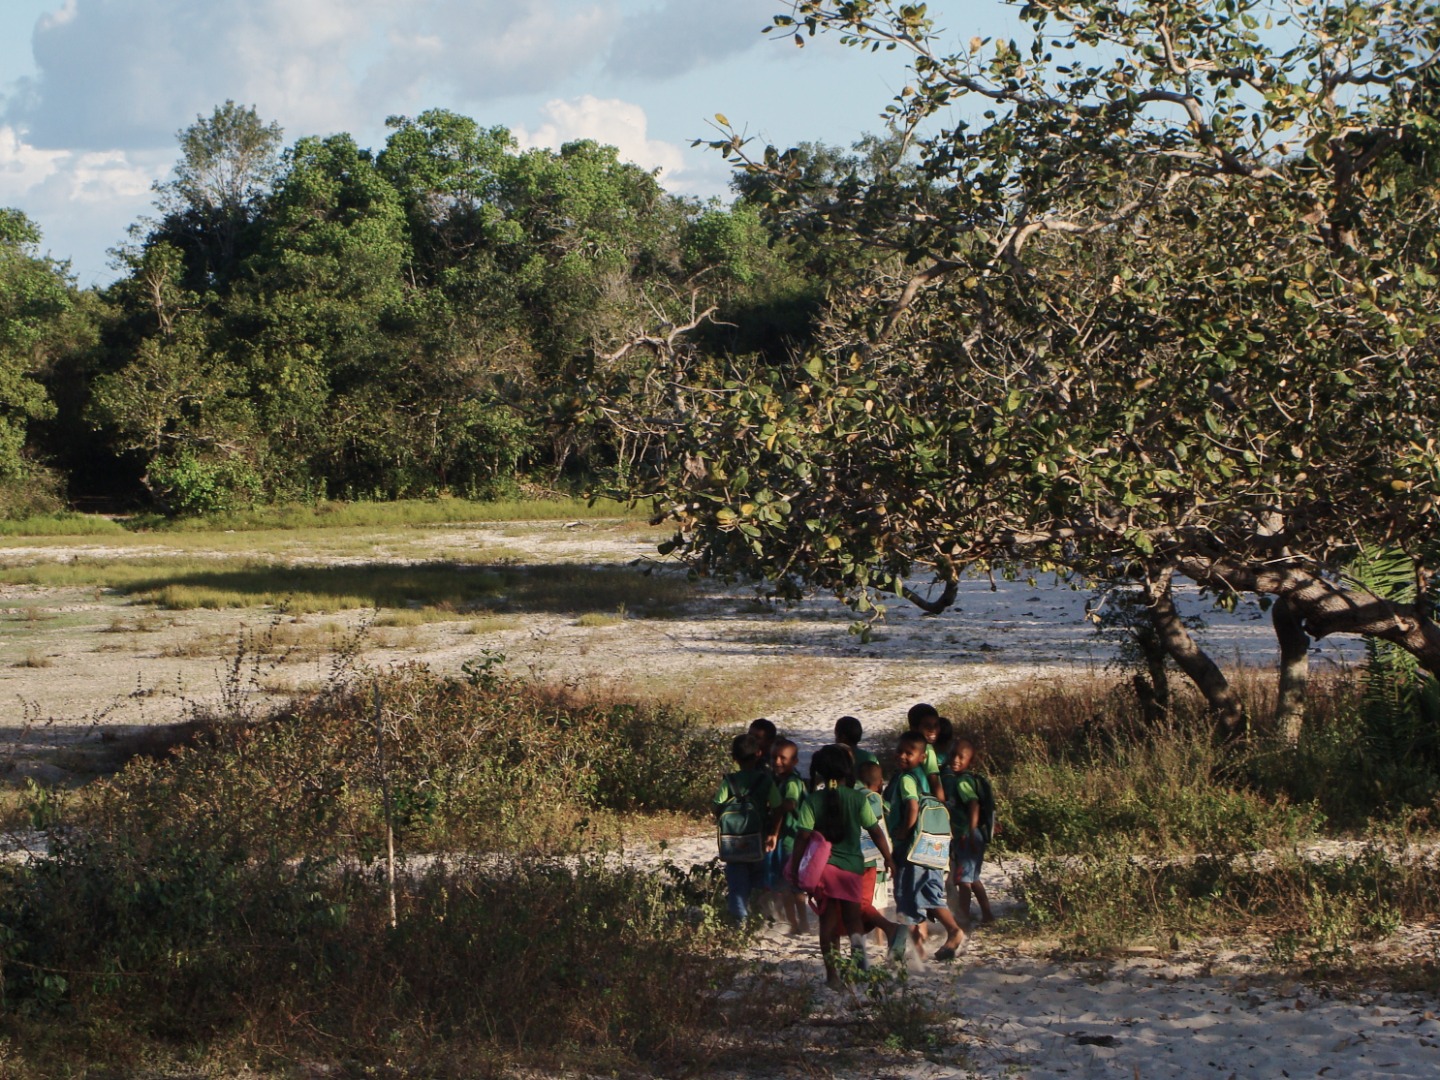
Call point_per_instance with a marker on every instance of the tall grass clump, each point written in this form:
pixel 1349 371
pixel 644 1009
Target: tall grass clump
pixel 1076 763
pixel 230 896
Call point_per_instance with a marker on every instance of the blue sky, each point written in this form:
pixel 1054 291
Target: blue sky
pixel 92 92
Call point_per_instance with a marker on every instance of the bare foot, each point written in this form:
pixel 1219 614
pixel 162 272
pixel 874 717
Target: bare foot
pixel 951 946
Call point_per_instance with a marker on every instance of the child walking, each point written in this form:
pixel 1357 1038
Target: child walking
pixel 790 791
pixel 745 806
pixel 924 720
pixel 870 779
pixel 972 816
pixel 919 890
pixel 838 811
pixel 849 732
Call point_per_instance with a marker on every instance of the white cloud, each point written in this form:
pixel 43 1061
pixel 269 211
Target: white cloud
pixel 80 198
pixel 621 124
pixel 22 166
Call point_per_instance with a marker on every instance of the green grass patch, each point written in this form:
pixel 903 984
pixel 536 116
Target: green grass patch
pixel 64 523
pixel 600 619
pixel 402 513
pixel 185 584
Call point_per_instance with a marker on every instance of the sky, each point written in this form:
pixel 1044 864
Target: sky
pixel 93 92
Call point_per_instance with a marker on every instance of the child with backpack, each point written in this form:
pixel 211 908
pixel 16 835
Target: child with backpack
pixel 920 827
pixel 745 807
pixel 831 820
pixel 972 813
pixel 924 719
pixel 790 791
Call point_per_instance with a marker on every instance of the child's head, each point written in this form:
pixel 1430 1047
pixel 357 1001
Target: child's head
pixel 910 750
pixel 962 756
pixel 848 731
pixel 746 751
pixel 784 756
pixel 871 775
pixel 918 712
pixel 835 764
pixel 925 719
pixel 765 731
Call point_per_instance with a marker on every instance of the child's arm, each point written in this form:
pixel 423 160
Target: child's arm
pixel 912 814
pixel 778 809
pixel 936 787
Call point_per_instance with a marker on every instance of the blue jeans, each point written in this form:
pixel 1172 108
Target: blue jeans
pixel 742 878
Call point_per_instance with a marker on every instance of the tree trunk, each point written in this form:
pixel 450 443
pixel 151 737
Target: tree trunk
pixel 1194 662
pixel 1152 686
pixel 1327 607
pixel 1294 668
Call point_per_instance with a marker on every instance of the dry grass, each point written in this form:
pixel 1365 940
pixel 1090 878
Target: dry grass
pixel 492 624
pixel 599 619
pixel 34 658
pixel 725 694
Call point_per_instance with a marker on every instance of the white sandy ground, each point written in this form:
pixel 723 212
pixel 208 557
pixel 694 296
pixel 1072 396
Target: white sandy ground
pixel 1208 1010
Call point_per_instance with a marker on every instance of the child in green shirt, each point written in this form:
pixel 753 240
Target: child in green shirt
pixel 790 793
pixel 919 890
pixel 924 719
pixel 838 811
pixel 751 781
pixel 969 831
pixel 849 732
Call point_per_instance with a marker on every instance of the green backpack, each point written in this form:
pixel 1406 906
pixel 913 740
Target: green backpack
pixel 986 793
pixel 740 828
pixel 930 842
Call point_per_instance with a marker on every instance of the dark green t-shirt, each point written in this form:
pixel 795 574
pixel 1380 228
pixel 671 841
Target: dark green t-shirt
pixel 855 812
pixel 904 787
pixel 864 757
pixel 959 794
pixel 792 787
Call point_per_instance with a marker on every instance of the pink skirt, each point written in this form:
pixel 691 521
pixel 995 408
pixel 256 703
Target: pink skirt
pixel 837 884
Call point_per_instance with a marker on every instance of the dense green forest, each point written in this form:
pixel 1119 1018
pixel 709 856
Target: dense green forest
pixel 323 320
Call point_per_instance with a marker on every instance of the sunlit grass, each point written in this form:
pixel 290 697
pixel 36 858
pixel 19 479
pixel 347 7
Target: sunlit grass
pixel 64 523
pixel 405 512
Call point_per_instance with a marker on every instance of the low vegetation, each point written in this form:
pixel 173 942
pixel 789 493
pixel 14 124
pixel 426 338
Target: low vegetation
pixel 227 896
pixel 1143 833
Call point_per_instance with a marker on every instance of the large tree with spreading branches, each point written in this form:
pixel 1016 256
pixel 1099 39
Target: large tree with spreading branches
pixel 1155 292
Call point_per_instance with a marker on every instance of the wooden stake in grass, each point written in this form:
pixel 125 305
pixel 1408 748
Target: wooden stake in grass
pixel 385 800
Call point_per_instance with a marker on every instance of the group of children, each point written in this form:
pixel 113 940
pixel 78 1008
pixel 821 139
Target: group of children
pixel 925 829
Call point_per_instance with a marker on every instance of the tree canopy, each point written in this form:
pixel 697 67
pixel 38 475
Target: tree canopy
pixel 1154 292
